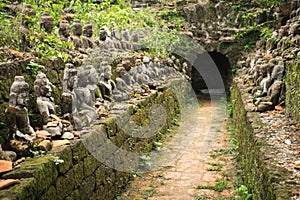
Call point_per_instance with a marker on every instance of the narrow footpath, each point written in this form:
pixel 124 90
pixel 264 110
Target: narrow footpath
pixel 203 171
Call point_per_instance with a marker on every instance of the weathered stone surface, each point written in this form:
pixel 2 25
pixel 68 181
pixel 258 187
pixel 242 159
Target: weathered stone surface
pixel 78 173
pixel 49 194
pixel 261 156
pixel 81 176
pixel 22 191
pixel 90 164
pixel 87 187
pixel 45 145
pixel 74 195
pixel 65 184
pixel 66 155
pixel 79 151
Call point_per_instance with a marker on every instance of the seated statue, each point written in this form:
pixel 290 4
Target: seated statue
pixel 64 30
pixel 20 133
pixel 85 96
pixel 42 88
pixel 43 91
pixel 46 22
pixel 70 80
pixel 87 35
pixel 77 32
pixel 106 84
pixel 121 92
pixel 27 13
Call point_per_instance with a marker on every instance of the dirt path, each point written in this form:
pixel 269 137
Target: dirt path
pixel 205 162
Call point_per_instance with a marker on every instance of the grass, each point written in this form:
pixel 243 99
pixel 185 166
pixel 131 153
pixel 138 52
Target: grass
pixel 223 151
pixel 219 186
pixel 213 155
pixel 197 197
pixel 215 167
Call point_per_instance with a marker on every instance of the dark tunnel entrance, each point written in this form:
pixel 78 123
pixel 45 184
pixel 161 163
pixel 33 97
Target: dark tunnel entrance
pixel 216 59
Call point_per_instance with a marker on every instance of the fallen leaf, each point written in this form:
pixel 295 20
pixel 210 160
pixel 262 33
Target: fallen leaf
pixel 279 108
pixel 7 182
pixel 5 166
pixel 16 53
pixel 75 133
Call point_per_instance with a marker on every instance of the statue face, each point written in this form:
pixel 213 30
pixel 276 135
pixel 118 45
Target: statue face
pixel 46 90
pixel 23 99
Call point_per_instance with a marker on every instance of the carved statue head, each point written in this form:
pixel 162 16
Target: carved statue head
pixel 19 92
pixel 42 85
pixel 77 28
pixel 64 29
pixel 46 22
pixel 103 33
pixel 27 12
pixel 88 29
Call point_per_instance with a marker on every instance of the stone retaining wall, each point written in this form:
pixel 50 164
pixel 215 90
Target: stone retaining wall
pixel 81 176
pixel 259 158
pixel 292 84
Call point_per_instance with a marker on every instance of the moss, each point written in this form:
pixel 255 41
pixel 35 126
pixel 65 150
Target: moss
pixel 90 164
pixel 66 156
pixel 79 152
pixel 260 175
pixel 292 84
pixel 65 184
pixel 78 173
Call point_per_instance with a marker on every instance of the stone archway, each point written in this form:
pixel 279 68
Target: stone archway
pixel 223 66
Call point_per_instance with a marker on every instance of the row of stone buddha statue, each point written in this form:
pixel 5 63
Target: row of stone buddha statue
pixel 80 36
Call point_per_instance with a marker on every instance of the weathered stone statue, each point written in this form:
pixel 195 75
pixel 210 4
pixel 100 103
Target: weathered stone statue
pixel 120 93
pixel 106 84
pixel 69 84
pixel 77 32
pixel 27 12
pixel 87 35
pixel 17 114
pixel 42 88
pixel 103 34
pixel 85 95
pixel 46 22
pixel 64 30
pixel 43 91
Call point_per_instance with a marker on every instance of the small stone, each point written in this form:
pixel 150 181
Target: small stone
pixel 67 135
pixel 8 182
pixel 5 166
pixel 57 143
pixel 146 59
pixel 43 134
pixel 52 124
pixel 288 142
pixel 45 145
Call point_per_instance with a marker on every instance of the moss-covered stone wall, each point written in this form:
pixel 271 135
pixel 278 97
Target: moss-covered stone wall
pixel 259 168
pixel 292 84
pixel 81 175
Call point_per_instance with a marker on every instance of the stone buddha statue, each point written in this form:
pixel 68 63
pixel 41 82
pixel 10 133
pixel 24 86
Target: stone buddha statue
pixel 17 114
